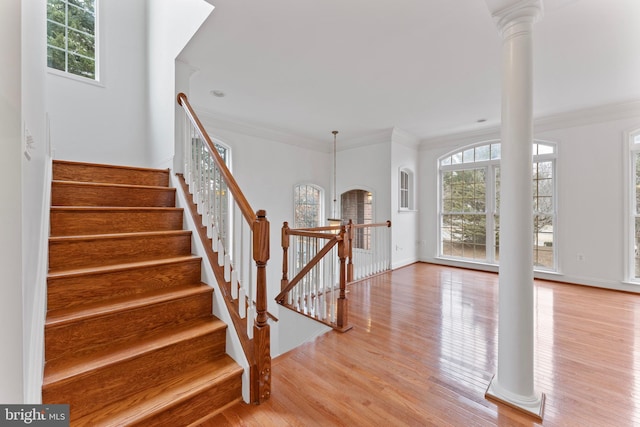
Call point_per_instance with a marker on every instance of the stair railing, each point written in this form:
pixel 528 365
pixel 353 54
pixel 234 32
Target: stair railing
pixel 322 261
pixel 369 250
pixel 235 235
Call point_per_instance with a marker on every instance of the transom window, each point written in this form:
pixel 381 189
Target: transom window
pixel 469 226
pixel 71 37
pixel 307 205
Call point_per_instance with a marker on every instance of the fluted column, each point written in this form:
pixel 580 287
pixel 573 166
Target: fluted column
pixel 514 382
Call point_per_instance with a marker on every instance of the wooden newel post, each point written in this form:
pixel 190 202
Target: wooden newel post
pixel 261 383
pixel 285 256
pixel 350 252
pixel 342 320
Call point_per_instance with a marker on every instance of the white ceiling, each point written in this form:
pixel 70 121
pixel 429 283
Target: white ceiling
pixel 429 67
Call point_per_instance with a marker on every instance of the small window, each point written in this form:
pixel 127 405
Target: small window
pixel 406 189
pixel 71 37
pixel 307 205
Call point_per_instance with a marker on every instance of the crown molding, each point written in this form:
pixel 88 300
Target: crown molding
pixel 402 137
pixel 586 116
pixel 582 117
pixel 373 138
pixel 219 121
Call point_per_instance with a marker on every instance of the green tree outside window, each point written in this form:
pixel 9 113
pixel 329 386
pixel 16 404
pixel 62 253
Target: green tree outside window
pixel 71 36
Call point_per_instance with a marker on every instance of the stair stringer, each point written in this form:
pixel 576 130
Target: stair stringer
pixel 233 344
pixel 34 330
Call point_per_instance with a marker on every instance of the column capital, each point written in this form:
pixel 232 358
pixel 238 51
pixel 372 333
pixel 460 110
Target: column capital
pixel 508 14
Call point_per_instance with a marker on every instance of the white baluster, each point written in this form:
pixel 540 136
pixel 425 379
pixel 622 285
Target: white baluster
pixel 251 315
pixel 234 284
pixel 227 268
pixel 220 253
pixel 242 303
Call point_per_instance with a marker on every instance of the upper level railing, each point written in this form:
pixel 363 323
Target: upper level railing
pixel 318 263
pixel 235 235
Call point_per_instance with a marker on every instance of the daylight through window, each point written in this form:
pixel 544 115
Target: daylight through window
pixel 470 204
pixel 71 37
pixel 307 205
pixel 406 189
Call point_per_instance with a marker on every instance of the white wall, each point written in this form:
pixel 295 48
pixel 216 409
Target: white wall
pixel 590 183
pixel 36 170
pixel 591 201
pixel 106 122
pixel 267 172
pixel 126 118
pixel 404 224
pixel 171 24
pixel 368 168
pixel 11 386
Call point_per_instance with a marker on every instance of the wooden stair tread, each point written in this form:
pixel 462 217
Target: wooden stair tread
pixel 116 208
pixel 171 393
pixel 129 302
pixel 65 368
pixel 108 184
pixel 106 166
pixel 129 336
pixel 119 267
pixel 55 239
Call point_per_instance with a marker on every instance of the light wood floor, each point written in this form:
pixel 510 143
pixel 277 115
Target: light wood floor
pixel 424 346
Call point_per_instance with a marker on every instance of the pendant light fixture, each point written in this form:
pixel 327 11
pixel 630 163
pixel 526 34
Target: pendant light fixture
pixel 334 220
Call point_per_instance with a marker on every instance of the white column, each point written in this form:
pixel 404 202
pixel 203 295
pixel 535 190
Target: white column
pixel 514 381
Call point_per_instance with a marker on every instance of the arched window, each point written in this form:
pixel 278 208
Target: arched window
pixel 469 226
pixel 634 208
pixel 307 206
pixel 405 190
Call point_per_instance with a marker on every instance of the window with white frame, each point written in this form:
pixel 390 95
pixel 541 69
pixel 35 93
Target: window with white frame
pixel 634 201
pixel 71 37
pixel 307 205
pixel 470 202
pixel 406 189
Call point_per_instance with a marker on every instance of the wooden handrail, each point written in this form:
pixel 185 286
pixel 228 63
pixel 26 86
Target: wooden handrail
pixel 256 349
pixel 378 224
pixel 245 208
pixel 303 233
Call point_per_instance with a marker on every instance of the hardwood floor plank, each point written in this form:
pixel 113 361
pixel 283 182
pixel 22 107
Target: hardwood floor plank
pixel 423 349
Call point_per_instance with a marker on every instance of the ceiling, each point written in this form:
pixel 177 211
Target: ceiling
pixel 429 67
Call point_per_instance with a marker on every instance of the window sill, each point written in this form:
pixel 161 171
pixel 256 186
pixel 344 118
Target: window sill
pixel 407 210
pixel 486 266
pixel 70 76
pixel 631 282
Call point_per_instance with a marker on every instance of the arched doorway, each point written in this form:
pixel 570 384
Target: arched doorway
pixel 357 205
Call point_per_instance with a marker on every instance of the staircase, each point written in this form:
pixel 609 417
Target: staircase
pixel 130 338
